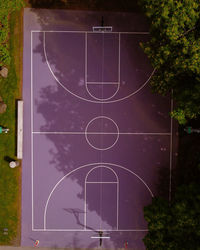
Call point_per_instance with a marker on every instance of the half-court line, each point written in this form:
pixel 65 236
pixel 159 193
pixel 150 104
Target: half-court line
pixel 95 133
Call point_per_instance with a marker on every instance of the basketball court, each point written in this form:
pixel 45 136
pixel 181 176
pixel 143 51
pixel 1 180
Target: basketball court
pixel 95 137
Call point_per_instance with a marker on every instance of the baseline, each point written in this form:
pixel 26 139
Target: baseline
pixel 91 32
pixel 171 150
pixel 88 230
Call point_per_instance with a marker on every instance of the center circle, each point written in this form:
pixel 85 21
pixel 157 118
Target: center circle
pixel 102 133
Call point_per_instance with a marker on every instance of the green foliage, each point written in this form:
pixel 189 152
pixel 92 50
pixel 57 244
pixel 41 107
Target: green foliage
pixel 9 181
pixel 174 50
pixel 4 55
pixel 99 5
pixel 3 36
pixel 179 115
pixel 175 226
pixel 6 7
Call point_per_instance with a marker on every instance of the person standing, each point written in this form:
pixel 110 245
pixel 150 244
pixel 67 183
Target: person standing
pixel 100 237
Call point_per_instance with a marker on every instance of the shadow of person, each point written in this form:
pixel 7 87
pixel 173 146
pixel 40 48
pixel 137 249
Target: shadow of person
pixel 8 159
pixel 76 212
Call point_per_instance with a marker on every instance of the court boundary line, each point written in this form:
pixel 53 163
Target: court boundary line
pixel 119 58
pixel 32 186
pixel 32 133
pixel 86 39
pixel 91 32
pixel 89 230
pixel 171 149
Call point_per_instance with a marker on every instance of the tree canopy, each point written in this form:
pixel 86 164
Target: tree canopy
pixel 174 50
pixel 6 7
pixel 175 226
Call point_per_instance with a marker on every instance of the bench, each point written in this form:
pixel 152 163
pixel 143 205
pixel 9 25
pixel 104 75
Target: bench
pixel 20 129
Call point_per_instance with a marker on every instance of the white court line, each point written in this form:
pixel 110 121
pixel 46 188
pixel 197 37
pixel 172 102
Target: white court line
pixel 106 83
pixel 103 83
pixel 117 133
pixel 85 206
pixel 61 132
pixel 89 230
pixel 118 85
pixel 32 130
pixel 89 165
pixel 86 59
pixel 91 32
pixel 101 182
pixel 117 178
pixel 118 204
pixel 119 57
pixel 96 133
pixel 171 150
pixel 98 237
pixel 85 99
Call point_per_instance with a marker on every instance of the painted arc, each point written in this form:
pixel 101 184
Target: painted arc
pixel 87 95
pixel 116 167
pixel 102 74
pixel 101 88
pixel 101 187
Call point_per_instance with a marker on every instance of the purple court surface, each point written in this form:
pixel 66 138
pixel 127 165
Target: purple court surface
pixel 95 137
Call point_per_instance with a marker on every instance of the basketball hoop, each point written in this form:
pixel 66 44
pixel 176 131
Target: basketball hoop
pixel 102 29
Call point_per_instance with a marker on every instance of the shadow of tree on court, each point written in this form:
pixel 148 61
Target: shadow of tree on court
pixel 60 114
pixel 54 105
pixel 76 212
pixel 167 180
pixel 186 170
pixel 184 167
pixel 97 5
pixel 163 182
pixel 64 108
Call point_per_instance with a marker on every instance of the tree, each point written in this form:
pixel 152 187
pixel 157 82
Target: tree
pixel 174 226
pixel 6 7
pixel 174 50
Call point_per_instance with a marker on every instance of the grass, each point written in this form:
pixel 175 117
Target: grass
pixel 10 180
